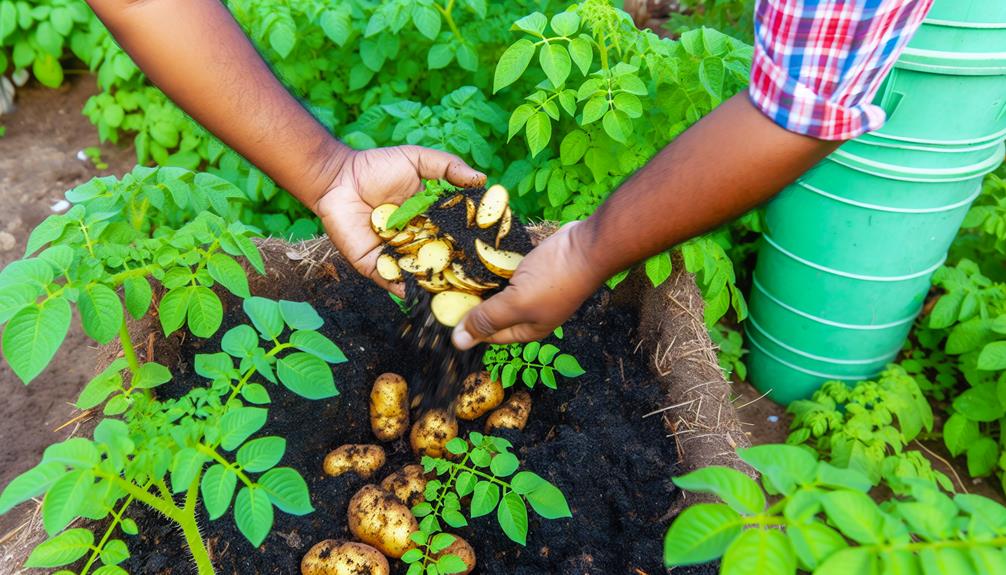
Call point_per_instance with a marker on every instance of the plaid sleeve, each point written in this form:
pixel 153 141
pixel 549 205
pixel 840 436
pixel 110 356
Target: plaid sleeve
pixel 819 63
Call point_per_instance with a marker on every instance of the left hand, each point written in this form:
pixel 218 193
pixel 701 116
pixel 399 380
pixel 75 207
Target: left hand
pixel 373 177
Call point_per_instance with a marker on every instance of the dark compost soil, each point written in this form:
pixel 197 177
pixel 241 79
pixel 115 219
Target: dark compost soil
pixel 588 437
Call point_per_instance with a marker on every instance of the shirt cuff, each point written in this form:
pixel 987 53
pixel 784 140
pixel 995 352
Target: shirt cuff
pixel 795 107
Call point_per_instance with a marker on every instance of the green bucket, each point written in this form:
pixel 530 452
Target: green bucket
pixel 949 86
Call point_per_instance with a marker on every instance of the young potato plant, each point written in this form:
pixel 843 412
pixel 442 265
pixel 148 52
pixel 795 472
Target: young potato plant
pixel 196 447
pixel 35 35
pixel 867 428
pixel 532 361
pixel 809 515
pixel 165 225
pixel 484 469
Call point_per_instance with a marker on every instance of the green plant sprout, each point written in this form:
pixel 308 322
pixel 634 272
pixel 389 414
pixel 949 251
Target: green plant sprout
pixel 531 361
pixel 486 470
pixel 822 520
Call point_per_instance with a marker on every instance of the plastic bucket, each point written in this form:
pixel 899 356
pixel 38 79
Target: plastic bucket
pixel 949 86
pixel 786 376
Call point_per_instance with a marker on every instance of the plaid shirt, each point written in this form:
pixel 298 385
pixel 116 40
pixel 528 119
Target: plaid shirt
pixel 819 63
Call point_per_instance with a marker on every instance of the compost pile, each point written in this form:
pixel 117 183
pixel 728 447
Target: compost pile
pixel 588 438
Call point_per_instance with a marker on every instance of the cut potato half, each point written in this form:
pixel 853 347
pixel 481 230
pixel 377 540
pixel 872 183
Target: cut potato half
pixel 450 306
pixel 500 262
pixel 491 207
pixel 417 242
pixel 451 201
pixel 402 238
pixel 505 222
pixel 468 281
pixel 457 284
pixel 379 217
pixel 410 264
pixel 437 283
pixel 469 212
pixel 434 256
pixel 388 268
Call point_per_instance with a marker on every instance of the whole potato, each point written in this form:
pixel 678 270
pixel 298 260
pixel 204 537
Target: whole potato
pixel 332 557
pixel 389 407
pixel 378 519
pixel 462 549
pixel 479 395
pixel 431 433
pixel 407 485
pixel 362 459
pixel 511 415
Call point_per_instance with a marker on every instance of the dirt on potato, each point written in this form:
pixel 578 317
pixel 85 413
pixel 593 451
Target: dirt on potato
pixel 588 437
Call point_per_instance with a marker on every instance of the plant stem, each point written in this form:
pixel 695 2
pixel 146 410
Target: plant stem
pixel 127 347
pixel 200 555
pixel 212 453
pixel 116 519
pixel 449 18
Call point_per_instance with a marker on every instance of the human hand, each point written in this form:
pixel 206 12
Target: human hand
pixel 373 177
pixel 548 286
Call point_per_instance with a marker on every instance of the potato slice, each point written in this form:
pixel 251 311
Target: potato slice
pixel 454 281
pixel 491 207
pixel 451 201
pixel 505 223
pixel 417 242
pixel 450 306
pixel 469 212
pixel 437 283
pixel 410 264
pixel 402 238
pixel 388 268
pixel 468 281
pixel 379 217
pixel 499 262
pixel 434 256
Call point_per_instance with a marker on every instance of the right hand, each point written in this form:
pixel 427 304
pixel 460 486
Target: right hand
pixel 549 285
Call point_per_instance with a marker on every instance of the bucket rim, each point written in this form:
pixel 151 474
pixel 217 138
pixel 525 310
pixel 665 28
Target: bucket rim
pixel 953 63
pixel 910 174
pixel 879 208
pixel 880 134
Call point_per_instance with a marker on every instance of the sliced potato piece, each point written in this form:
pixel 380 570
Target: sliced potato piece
pixel 469 212
pixel 491 207
pixel 434 256
pixel 459 271
pixel 417 242
pixel 452 305
pixel 500 262
pixel 402 238
pixel 379 217
pixel 451 201
pixel 437 283
pixel 388 268
pixel 454 281
pixel 505 222
pixel 410 264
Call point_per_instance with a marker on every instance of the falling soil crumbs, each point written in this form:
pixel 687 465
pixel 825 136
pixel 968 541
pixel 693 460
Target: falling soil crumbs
pixel 588 437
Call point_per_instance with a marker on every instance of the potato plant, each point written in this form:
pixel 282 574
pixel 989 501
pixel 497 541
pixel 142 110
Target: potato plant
pixel 35 35
pixel 810 515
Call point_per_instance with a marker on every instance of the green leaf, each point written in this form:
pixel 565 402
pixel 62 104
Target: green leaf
pixel 31 483
pixel 287 490
pixel 75 452
pixel 441 541
pixel 337 25
pixel 711 76
pixel 62 549
pixel 700 534
pixel 538 131
pixel 566 23
pixel 513 63
pixel 988 561
pixel 980 403
pixel 573 146
pixel 217 488
pixel 283 37
pixel 982 457
pixel 555 62
pixel 240 341
pixel 173 308
pixel 814 542
pixel 318 345
pixel 504 464
pixel 239 424
pixel 129 527
pixel 102 385
pixel 629 104
pixel 49 230
pixel 959 433
pixel 512 517
pixel 568 366
pixel 138 296
pixel 946 560
pixel 855 515
pixel 15 297
pixel 548 501
pixel 485 497
pixel 307 376
pixel 658 268
pixel 859 560
pixel 255 393
pixel 617 124
pixel 993 356
pixel 33 335
pixel 300 315
pixel 582 53
pixel 184 467
pixel 737 490
pixel 427 21
pixel 253 514
pixel 265 316
pixel 783 467
pixel 518 118
pixel 48 71
pixel 440 56
pixel 206 313
pixel 759 551
pixel 261 454
pixel 465 483
pixel 114 552
pixel 65 499
pixel 451 563
pixel 226 271
pixel 532 23
pixel 150 375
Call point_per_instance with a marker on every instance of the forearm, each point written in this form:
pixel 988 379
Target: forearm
pixel 197 54
pixel 729 162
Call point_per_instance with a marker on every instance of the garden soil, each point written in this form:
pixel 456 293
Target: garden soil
pixel 589 437
pixel 38 163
